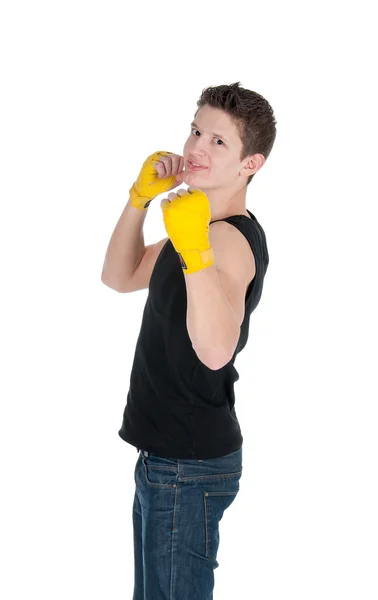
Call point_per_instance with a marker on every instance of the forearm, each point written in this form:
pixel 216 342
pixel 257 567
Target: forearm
pixel 211 322
pixel 126 248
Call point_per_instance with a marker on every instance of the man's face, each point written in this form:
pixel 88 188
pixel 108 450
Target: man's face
pixel 213 142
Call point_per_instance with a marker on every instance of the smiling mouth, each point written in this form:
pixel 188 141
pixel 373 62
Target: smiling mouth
pixel 192 167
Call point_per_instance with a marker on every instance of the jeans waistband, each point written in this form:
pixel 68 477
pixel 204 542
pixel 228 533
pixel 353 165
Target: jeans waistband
pixel 145 452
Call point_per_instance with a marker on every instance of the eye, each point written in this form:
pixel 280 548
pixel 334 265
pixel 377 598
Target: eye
pixel 214 138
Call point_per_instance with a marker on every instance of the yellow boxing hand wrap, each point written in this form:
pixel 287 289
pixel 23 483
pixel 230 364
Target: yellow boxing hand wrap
pixel 149 185
pixel 186 221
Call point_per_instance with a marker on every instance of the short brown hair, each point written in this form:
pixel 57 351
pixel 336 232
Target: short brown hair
pixel 250 112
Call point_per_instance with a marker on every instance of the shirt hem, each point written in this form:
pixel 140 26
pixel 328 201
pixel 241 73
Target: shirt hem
pixel 186 453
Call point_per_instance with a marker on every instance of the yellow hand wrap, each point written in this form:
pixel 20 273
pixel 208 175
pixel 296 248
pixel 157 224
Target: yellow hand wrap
pixel 186 220
pixel 149 185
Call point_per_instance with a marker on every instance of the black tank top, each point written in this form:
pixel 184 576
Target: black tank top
pixel 176 406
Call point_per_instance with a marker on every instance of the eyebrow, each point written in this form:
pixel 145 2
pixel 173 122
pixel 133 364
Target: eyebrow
pixel 217 134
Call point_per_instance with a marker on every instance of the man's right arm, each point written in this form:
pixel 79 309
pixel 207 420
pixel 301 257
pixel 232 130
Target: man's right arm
pixel 128 262
pixel 126 248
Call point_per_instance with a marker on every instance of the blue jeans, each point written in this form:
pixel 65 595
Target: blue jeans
pixel 178 504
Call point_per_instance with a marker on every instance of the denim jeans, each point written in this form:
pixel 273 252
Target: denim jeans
pixel 178 504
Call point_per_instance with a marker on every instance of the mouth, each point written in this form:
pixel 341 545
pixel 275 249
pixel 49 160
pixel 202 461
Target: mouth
pixel 192 167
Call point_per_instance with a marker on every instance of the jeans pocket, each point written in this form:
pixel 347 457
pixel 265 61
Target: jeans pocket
pixel 158 473
pixel 216 502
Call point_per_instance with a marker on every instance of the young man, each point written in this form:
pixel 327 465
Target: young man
pixel 204 281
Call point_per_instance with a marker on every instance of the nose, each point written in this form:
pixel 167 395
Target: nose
pixel 198 149
pixel 199 144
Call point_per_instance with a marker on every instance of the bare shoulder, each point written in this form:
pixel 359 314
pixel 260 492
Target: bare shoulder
pixel 223 236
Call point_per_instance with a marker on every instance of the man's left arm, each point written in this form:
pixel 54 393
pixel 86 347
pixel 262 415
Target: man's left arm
pixel 215 270
pixel 216 299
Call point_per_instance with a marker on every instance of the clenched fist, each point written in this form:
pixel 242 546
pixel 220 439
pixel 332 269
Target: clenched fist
pixel 160 173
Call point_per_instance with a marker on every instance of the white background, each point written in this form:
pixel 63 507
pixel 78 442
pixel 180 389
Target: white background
pixel 88 91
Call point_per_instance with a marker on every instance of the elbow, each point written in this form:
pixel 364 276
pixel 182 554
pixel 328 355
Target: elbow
pixel 112 286
pixel 220 364
pixel 213 360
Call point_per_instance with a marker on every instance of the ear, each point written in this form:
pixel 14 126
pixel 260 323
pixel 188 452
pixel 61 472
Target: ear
pixel 252 164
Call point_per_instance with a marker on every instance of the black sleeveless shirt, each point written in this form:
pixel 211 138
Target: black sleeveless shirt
pixel 176 406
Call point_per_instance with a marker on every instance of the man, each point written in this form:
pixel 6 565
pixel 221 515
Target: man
pixel 204 281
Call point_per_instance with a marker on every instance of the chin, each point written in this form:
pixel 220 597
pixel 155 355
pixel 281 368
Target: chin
pixel 191 175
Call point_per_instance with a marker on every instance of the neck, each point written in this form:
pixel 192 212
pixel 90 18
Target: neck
pixel 223 206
